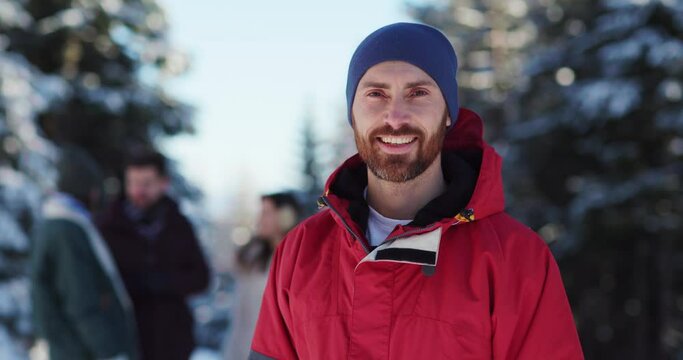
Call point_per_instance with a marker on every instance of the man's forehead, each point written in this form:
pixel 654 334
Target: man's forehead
pixel 389 73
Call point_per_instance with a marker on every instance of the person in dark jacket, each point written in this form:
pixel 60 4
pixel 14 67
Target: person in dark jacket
pixel 80 306
pixel 159 258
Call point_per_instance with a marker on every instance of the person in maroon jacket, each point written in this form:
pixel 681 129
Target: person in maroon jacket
pixel 413 255
pixel 158 256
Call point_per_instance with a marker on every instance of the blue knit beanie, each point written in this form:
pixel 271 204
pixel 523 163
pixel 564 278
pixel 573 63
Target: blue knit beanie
pixel 417 44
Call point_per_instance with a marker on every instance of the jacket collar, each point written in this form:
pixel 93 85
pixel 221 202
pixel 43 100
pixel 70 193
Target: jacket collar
pixel 472 170
pixel 63 203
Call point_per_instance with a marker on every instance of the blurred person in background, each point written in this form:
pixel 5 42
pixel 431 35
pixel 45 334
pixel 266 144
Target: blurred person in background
pixel 80 305
pixel 280 212
pixel 158 255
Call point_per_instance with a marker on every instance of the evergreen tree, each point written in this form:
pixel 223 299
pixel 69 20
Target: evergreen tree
pixel 596 162
pixel 311 173
pixel 79 72
pixel 26 169
pixel 312 181
pixel 113 54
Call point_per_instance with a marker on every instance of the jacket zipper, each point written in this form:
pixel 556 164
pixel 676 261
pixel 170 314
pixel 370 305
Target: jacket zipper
pixel 348 228
pixel 411 232
pixel 416 231
pixel 467 213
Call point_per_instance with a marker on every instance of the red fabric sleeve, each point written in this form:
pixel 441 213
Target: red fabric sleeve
pixel 531 316
pixel 273 334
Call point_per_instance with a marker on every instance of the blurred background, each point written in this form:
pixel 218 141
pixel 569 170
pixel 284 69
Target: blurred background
pixel 581 98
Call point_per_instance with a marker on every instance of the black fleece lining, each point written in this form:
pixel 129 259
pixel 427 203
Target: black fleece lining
pixel 461 178
pixel 460 171
pixel 412 255
pixel 350 184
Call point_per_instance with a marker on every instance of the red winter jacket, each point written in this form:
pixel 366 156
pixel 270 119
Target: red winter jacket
pixel 462 281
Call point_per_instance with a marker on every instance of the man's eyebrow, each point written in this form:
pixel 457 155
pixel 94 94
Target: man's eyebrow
pixel 380 85
pixel 420 83
pixel 374 84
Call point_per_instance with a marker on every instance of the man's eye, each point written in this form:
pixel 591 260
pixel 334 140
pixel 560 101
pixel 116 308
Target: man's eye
pixel 419 93
pixel 375 94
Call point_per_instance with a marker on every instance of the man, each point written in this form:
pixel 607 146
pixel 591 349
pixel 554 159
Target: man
pixel 158 256
pixel 80 306
pixel 414 256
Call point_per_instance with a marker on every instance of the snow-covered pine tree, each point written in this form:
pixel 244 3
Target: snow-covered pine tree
pixel 115 57
pixel 26 169
pixel 595 164
pixel 85 72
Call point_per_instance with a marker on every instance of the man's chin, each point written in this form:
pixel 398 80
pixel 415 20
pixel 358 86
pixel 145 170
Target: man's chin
pixel 393 172
pixel 387 159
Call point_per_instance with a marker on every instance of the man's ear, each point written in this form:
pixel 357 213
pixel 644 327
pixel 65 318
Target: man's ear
pixel 448 121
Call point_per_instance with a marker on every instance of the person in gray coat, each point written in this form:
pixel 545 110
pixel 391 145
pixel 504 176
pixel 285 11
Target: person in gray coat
pixel 80 305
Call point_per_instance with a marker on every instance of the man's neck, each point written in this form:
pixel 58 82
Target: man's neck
pixel 404 200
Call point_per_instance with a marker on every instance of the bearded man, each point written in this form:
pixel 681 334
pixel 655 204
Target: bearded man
pixel 413 256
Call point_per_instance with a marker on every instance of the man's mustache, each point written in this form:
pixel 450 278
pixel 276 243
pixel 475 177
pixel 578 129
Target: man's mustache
pixel 402 131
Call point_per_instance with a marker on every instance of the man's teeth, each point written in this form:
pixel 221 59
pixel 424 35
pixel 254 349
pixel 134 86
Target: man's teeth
pixel 396 140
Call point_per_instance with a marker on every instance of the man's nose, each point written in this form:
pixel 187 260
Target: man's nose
pixel 397 113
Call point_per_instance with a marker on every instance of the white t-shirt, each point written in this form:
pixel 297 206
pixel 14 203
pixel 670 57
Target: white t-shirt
pixel 379 226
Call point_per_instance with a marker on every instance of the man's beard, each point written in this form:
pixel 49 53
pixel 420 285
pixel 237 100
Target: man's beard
pixel 399 167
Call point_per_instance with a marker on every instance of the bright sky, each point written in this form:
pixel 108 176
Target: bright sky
pixel 257 68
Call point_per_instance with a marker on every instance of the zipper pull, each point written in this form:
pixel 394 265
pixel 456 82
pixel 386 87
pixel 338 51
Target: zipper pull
pixel 321 202
pixel 466 215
